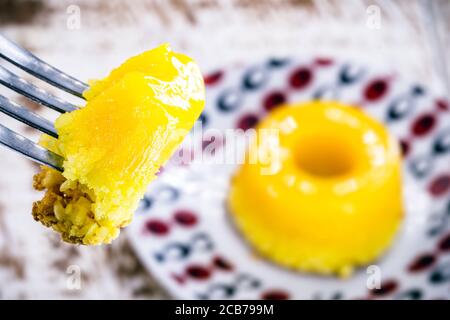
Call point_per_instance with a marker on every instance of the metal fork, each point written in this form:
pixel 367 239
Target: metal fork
pixel 42 70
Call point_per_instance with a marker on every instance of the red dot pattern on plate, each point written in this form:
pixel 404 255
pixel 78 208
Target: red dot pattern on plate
pixel 203 272
pixel 275 295
pixel 376 89
pixel 213 78
pixel 212 143
pixel 422 262
pixel 439 185
pixel 157 227
pixel 247 121
pixel 442 105
pixel 179 279
pixel 444 243
pixel 198 272
pixel 182 217
pixel 300 78
pixel 386 288
pixel 423 124
pixel 273 100
pixel 222 264
pixel 323 61
pixel 405 148
pixel 185 217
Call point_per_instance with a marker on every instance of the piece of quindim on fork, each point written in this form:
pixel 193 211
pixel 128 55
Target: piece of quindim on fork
pixel 25 60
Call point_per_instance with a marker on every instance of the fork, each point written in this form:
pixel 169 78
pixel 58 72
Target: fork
pixel 25 60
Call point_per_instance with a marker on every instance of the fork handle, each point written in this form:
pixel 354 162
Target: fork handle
pixel 30 149
pixel 10 80
pixel 40 69
pixel 26 116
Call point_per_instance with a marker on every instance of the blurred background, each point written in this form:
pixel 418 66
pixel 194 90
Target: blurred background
pixel 86 38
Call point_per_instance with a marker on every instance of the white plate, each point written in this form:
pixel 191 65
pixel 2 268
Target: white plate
pixel 185 238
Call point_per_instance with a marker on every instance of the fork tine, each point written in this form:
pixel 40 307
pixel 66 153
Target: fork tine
pixel 30 149
pixel 26 116
pixel 32 64
pixel 10 80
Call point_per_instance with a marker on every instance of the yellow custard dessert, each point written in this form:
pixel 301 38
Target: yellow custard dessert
pixel 331 200
pixel 133 121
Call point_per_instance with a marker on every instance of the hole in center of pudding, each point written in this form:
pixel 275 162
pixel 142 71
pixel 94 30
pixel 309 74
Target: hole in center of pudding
pixel 325 155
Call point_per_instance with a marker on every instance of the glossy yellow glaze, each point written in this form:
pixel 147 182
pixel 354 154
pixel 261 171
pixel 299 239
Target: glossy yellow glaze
pixel 331 199
pixel 132 123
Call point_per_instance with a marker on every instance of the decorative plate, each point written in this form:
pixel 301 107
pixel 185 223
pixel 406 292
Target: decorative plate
pixel 185 238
